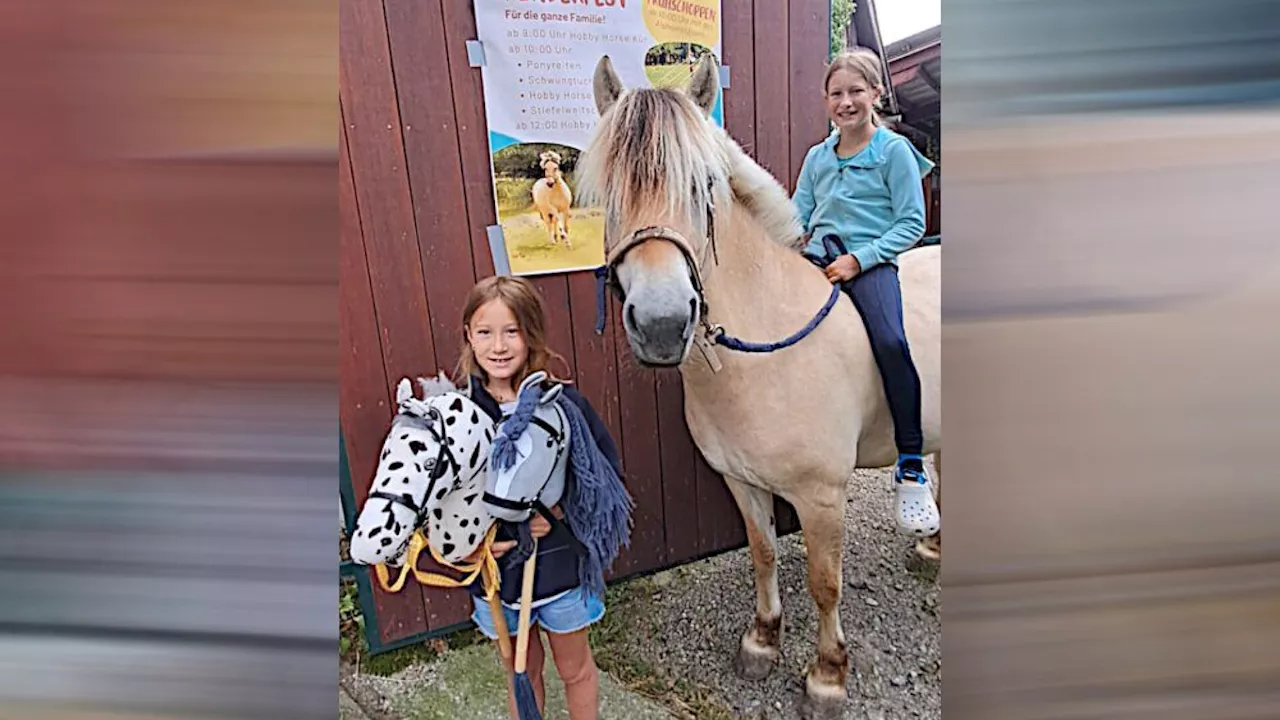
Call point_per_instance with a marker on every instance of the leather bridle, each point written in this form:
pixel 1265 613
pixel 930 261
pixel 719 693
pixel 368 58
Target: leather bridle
pixel 708 335
pixel 617 254
pixel 443 462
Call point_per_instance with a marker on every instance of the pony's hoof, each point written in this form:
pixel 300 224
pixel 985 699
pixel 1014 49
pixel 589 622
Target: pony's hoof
pixel 755 662
pixel 822 702
pixel 930 548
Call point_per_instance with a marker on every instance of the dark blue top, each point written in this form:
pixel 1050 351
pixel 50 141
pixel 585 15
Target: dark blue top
pixel 557 569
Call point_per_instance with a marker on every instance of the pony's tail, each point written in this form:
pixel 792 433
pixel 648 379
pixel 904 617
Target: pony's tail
pixel 598 506
pixel 502 455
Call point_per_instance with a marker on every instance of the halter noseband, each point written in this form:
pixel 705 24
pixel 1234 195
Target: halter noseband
pixel 659 232
pixel 710 333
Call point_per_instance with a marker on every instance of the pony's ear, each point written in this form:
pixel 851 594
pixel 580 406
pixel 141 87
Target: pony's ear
pixel 438 385
pixel 550 396
pixel 533 379
pixel 705 84
pixel 606 84
pixel 404 390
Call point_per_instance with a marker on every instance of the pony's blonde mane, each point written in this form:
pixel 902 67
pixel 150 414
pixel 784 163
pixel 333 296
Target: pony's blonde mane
pixel 763 197
pixel 655 153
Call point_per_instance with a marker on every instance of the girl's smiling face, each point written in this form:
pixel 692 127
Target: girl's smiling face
pixel 497 341
pixel 850 100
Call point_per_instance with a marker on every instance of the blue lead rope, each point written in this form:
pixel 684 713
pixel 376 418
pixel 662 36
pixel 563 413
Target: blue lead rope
pixel 721 338
pixel 734 343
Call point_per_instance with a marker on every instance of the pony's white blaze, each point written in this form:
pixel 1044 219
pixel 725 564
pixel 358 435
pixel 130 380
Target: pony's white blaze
pixel 793 423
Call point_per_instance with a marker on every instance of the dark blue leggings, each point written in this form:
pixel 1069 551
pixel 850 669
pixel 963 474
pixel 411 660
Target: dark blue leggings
pixel 878 298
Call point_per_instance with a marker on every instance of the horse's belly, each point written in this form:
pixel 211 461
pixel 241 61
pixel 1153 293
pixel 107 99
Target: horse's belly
pixel 773 450
pixel 919 272
pixel 920 275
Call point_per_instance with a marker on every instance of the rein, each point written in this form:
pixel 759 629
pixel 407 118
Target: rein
pixel 438 466
pixel 708 335
pixel 487 565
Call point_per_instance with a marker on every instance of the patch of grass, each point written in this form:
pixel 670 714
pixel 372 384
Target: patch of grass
pixel 393 661
pixel 675 75
pixel 629 604
pixel 530 250
pixel 469 684
pixel 514 195
pixel 351 642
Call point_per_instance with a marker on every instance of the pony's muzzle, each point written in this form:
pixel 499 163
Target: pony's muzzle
pixel 659 338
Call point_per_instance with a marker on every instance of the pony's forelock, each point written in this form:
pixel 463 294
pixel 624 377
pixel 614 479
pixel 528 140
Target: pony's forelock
pixel 654 153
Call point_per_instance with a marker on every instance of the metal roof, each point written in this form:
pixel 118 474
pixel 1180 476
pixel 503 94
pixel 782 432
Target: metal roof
pixel 915 70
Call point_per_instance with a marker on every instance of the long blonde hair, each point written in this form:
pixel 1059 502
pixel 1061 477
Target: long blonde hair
pixel 525 302
pixel 864 63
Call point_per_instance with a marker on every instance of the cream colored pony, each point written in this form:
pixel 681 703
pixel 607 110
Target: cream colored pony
pixel 552 197
pixel 701 237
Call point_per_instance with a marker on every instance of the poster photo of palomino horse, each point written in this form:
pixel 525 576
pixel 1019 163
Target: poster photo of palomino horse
pixel 544 227
pixel 782 393
pixel 552 196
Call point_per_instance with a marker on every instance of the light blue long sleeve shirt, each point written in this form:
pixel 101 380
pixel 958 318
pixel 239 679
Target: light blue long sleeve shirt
pixel 872 201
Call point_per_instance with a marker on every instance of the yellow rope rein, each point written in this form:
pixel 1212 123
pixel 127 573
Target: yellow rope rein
pixel 486 564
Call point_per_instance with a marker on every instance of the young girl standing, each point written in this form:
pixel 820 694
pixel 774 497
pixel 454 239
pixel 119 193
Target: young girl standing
pixel 860 199
pixel 504 341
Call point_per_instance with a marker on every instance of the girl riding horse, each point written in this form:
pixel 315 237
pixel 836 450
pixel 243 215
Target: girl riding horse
pixel 860 199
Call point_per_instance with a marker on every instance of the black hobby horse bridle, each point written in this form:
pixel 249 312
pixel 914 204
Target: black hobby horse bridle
pixel 437 466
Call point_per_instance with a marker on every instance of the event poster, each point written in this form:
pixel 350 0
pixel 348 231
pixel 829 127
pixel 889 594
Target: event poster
pixel 539 59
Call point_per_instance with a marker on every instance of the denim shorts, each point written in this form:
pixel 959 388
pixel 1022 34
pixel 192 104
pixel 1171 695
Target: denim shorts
pixel 567 613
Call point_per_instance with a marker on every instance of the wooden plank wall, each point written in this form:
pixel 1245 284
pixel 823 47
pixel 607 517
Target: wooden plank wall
pixel 138 248
pixel 416 197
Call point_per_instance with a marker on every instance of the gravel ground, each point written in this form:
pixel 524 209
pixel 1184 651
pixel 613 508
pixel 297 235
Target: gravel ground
pixel 685 624
pixel 889 611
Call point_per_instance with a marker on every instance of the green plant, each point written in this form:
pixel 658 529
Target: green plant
pixel 522 160
pixel 351 639
pixel 514 194
pixel 841 15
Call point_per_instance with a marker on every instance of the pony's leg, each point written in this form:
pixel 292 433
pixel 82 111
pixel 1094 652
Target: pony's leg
pixel 567 242
pixel 549 221
pixel 930 548
pixel 821 514
pixel 761 644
